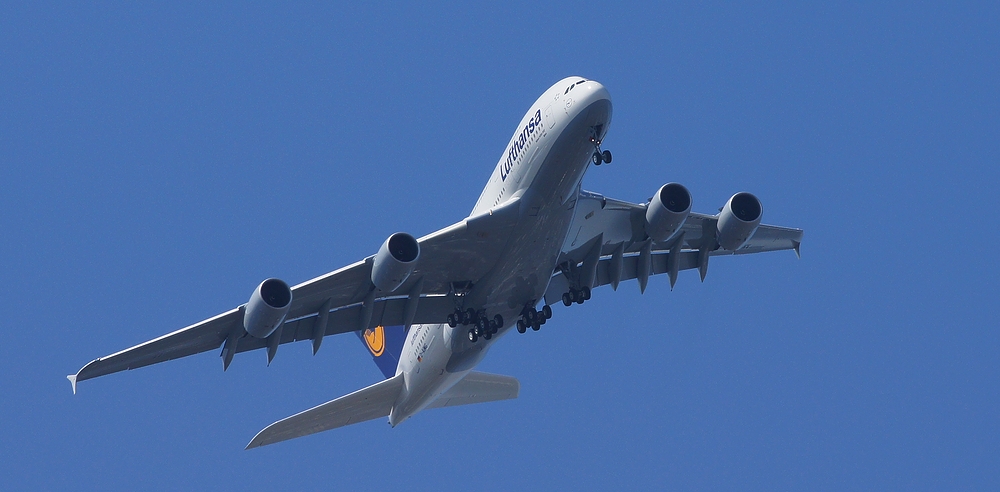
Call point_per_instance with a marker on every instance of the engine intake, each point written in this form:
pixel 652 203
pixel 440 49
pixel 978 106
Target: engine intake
pixel 267 308
pixel 738 220
pixel 395 261
pixel 667 211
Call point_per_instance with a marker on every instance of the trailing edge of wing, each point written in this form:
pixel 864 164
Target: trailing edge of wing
pixel 365 404
pixel 659 263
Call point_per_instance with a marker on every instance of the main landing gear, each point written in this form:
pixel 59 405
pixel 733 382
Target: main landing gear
pixel 483 326
pixel 577 296
pixel 533 318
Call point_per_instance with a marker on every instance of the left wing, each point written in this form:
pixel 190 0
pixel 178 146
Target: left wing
pixel 607 243
pixel 341 301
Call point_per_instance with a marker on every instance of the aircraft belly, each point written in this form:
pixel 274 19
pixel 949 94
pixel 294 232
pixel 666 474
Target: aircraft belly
pixel 424 367
pixel 547 206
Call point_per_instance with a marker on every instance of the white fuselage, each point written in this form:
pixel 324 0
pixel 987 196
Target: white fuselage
pixel 543 166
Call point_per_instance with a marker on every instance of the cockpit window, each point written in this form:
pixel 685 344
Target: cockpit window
pixel 572 86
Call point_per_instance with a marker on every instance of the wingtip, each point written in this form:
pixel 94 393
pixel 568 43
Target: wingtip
pixel 795 246
pixel 72 381
pixel 253 443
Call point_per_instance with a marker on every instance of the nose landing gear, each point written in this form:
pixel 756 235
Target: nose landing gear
pixel 599 157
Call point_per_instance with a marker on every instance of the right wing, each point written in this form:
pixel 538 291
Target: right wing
pixel 456 255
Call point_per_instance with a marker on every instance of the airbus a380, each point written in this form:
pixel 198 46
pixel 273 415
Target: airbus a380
pixel 429 309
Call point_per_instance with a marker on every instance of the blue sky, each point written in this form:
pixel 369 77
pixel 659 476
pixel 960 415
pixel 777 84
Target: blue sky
pixel 157 162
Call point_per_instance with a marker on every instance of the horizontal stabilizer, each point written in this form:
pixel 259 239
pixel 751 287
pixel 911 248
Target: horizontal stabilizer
pixel 479 387
pixel 365 404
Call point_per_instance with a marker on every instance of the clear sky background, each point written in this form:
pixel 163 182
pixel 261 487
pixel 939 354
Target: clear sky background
pixel 156 163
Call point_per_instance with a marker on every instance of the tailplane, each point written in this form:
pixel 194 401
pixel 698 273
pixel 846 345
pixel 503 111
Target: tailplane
pixel 364 404
pixel 479 387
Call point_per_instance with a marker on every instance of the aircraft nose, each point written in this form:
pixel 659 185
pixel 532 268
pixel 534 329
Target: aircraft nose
pixel 593 91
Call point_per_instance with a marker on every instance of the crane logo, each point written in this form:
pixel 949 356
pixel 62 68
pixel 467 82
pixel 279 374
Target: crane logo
pixel 375 340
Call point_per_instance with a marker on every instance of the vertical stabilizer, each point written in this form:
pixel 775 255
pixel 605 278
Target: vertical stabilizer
pixel 385 343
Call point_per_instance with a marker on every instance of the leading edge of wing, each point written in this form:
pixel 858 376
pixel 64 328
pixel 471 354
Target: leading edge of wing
pixel 199 337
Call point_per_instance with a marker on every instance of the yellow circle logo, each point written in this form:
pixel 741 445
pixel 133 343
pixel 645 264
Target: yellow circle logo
pixel 375 340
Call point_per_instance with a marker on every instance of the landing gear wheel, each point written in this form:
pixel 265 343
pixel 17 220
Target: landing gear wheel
pixel 606 157
pixel 472 336
pixel 521 327
pixel 536 326
pixel 452 321
pixel 586 291
pixel 470 316
pixel 567 299
pixel 546 311
pixel 498 320
pixel 488 335
pixel 598 158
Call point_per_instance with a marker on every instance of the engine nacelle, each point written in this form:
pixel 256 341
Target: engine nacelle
pixel 395 261
pixel 267 308
pixel 667 211
pixel 738 220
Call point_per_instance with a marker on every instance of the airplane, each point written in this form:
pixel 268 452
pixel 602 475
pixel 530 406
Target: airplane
pixel 429 309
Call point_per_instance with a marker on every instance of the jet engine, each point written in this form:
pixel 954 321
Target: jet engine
pixel 395 261
pixel 738 220
pixel 667 211
pixel 267 308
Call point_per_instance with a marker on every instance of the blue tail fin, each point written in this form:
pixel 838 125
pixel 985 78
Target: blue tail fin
pixel 385 344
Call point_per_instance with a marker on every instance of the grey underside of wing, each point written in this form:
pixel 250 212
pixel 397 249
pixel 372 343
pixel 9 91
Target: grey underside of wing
pixel 479 387
pixel 619 224
pixel 365 404
pixel 460 253
pixel 617 221
pixel 197 338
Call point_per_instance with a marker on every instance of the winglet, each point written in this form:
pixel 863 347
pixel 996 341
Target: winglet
pixel 72 381
pixel 795 246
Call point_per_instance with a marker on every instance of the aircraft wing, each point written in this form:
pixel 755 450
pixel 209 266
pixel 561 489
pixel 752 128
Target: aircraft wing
pixel 456 255
pixel 607 244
